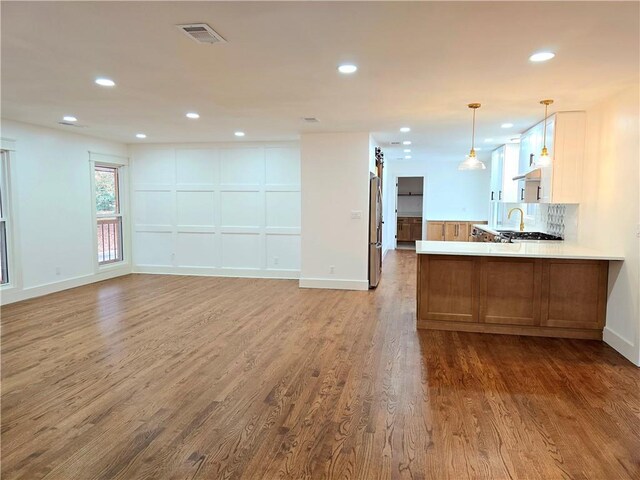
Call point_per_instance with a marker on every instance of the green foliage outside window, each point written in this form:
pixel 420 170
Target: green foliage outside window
pixel 105 192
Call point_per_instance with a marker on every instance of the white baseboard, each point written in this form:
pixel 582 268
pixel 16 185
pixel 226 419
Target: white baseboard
pixel 334 284
pixel 621 345
pixel 13 295
pixel 217 272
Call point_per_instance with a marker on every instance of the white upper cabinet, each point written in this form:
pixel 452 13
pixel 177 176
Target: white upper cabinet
pixel 497 162
pixel 561 180
pixel 504 166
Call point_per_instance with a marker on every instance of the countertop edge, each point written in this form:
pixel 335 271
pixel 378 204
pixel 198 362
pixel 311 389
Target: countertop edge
pixel 449 248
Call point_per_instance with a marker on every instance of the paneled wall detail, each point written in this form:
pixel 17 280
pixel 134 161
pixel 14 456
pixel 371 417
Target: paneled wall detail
pixel 217 211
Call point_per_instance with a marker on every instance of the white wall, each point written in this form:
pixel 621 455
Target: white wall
pixel 335 183
pixel 610 210
pixel 217 209
pixel 51 202
pixel 449 194
pixel 410 204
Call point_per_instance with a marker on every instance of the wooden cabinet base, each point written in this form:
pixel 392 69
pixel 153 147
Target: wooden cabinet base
pixel 531 331
pixel 515 296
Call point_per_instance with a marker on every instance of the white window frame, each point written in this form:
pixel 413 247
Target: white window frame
pixel 121 163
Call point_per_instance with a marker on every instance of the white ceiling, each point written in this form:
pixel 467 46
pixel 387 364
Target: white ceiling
pixel 419 65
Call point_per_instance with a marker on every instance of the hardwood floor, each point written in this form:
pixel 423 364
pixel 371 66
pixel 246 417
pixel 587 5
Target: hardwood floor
pixel 204 378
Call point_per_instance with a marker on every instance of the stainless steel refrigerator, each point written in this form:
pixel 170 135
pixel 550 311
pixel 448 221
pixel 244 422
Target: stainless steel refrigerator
pixel 375 231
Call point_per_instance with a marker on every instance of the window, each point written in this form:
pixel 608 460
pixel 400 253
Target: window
pixel 4 249
pixel 108 214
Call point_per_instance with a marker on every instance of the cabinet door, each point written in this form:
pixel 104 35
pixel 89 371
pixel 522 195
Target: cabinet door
pixel 447 288
pixel 499 174
pixel 404 231
pixel 510 290
pixel 416 232
pixel 510 167
pixel 528 155
pixel 521 190
pixel 450 231
pixel 546 171
pixel 496 173
pixel 464 230
pixel 435 230
pixel 574 293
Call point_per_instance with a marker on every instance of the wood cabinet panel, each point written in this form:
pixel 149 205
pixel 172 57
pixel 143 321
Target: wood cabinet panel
pixel 435 231
pixel 404 232
pixel 574 294
pixel 456 231
pixel 450 229
pixel 447 288
pixel 416 231
pixel 510 291
pixel 464 230
pixel 409 229
pixel 517 296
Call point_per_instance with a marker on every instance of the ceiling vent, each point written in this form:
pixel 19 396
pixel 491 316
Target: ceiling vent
pixel 394 143
pixel 201 33
pixel 310 119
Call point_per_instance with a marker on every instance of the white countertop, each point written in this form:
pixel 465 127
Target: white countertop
pixel 569 251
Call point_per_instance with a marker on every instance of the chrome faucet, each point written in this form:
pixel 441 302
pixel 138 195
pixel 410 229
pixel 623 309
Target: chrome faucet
pixel 521 217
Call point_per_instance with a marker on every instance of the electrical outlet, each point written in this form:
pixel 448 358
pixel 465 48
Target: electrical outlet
pixel 356 214
pixel 332 269
pixel 276 260
pixel 57 270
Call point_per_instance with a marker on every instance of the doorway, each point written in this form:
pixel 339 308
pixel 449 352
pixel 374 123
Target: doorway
pixel 409 211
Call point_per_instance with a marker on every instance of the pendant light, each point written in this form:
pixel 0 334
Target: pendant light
pixel 544 160
pixel 472 162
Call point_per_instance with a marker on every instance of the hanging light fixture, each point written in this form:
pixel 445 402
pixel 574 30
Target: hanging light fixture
pixel 545 159
pixel 472 162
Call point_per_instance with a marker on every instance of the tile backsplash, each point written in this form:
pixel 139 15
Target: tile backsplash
pixel 553 218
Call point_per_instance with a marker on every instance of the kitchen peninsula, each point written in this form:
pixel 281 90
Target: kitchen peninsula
pixel 552 289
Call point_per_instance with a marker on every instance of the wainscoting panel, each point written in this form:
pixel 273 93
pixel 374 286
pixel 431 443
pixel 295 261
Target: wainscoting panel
pixel 219 209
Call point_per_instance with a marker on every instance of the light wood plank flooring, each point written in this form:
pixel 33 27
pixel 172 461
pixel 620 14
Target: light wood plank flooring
pixel 171 377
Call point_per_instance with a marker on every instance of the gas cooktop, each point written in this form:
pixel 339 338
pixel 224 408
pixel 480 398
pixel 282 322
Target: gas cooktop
pixel 528 236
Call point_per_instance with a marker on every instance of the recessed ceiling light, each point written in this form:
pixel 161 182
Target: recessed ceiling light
pixel 140 135
pixel 542 56
pixel 405 129
pixel 239 134
pixel 408 157
pixel 407 142
pixel 477 149
pixel 407 150
pixel 105 82
pixel 69 118
pixel 488 140
pixel 347 68
pixel 192 115
pixel 506 125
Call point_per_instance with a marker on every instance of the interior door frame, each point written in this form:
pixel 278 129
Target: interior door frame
pixel 395 206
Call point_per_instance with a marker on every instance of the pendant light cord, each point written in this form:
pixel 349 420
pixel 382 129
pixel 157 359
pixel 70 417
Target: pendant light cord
pixel 544 130
pixel 473 129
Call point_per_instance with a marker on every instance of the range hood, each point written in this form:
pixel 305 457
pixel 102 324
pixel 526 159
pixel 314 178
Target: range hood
pixel 532 176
